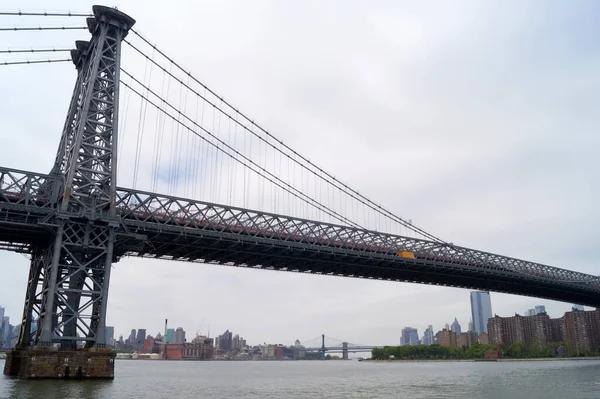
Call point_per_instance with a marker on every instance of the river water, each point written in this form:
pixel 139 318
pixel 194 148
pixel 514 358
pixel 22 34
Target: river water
pixel 324 379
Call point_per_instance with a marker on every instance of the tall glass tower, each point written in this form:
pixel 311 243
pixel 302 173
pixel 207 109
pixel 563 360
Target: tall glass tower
pixel 481 310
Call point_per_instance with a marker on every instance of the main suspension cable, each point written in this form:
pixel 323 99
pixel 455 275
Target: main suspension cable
pixel 47 14
pixel 334 181
pixel 6 63
pixel 42 50
pixel 40 28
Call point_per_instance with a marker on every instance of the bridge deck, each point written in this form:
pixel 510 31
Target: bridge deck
pixel 181 229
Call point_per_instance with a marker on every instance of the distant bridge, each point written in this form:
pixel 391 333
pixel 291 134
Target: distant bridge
pixel 333 345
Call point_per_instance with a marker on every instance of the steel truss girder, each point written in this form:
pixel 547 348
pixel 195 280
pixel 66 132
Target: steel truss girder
pixel 190 215
pixel 180 228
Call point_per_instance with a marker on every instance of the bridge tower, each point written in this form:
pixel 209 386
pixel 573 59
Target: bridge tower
pixel 67 288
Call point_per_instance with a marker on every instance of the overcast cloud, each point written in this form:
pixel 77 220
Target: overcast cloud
pixel 477 120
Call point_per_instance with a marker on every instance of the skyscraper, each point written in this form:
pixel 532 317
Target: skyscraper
pixel 578 307
pixel 170 335
pixel 481 310
pixel 540 309
pixel 179 337
pixel 6 330
pixel 140 338
pixel 409 336
pixel 471 326
pixel 428 337
pixel 455 327
pixel 131 338
pixel 110 335
pixel 225 341
pixel 2 324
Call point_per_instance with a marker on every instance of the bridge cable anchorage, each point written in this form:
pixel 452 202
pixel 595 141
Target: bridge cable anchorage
pixel 48 50
pixel 41 28
pixel 314 203
pixel 49 61
pixel 46 14
pixel 332 180
pixel 300 194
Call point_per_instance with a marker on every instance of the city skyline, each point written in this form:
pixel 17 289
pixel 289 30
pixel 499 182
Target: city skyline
pixel 484 134
pixel 408 335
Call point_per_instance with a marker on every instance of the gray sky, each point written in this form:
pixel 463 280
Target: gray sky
pixel 477 121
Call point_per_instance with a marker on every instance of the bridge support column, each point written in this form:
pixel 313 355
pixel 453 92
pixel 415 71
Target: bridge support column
pixel 345 350
pixel 67 289
pixel 41 362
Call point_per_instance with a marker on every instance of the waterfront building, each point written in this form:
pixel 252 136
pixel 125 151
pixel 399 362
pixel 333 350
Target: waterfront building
pixel 481 310
pixel 483 339
pixel 455 327
pixel 466 339
pixel 299 351
pixel 200 349
pixel 179 336
pixel 531 330
pixel 409 336
pixel 447 338
pixel 151 345
pixel 582 329
pixel 272 351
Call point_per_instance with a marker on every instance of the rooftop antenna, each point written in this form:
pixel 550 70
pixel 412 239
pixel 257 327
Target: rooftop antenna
pixel 209 329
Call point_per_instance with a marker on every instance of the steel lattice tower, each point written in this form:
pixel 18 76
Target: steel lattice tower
pixel 69 275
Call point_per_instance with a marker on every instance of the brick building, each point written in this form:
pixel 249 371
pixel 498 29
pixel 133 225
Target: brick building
pixel 151 345
pixel 483 339
pixel 447 338
pixel 466 339
pixel 582 328
pixel 579 327
pixel 531 330
pixel 200 349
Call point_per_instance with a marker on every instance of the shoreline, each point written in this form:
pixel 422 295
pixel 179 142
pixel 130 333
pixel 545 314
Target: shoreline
pixel 538 359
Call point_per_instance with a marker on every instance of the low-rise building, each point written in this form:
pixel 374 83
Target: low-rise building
pixel 201 349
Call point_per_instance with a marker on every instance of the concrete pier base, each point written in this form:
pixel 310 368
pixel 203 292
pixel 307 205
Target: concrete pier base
pixel 49 362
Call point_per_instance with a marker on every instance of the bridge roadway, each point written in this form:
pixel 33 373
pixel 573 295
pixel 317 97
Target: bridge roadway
pixel 163 227
pixel 337 349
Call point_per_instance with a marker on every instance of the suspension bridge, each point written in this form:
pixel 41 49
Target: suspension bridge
pixel 324 344
pixel 201 182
